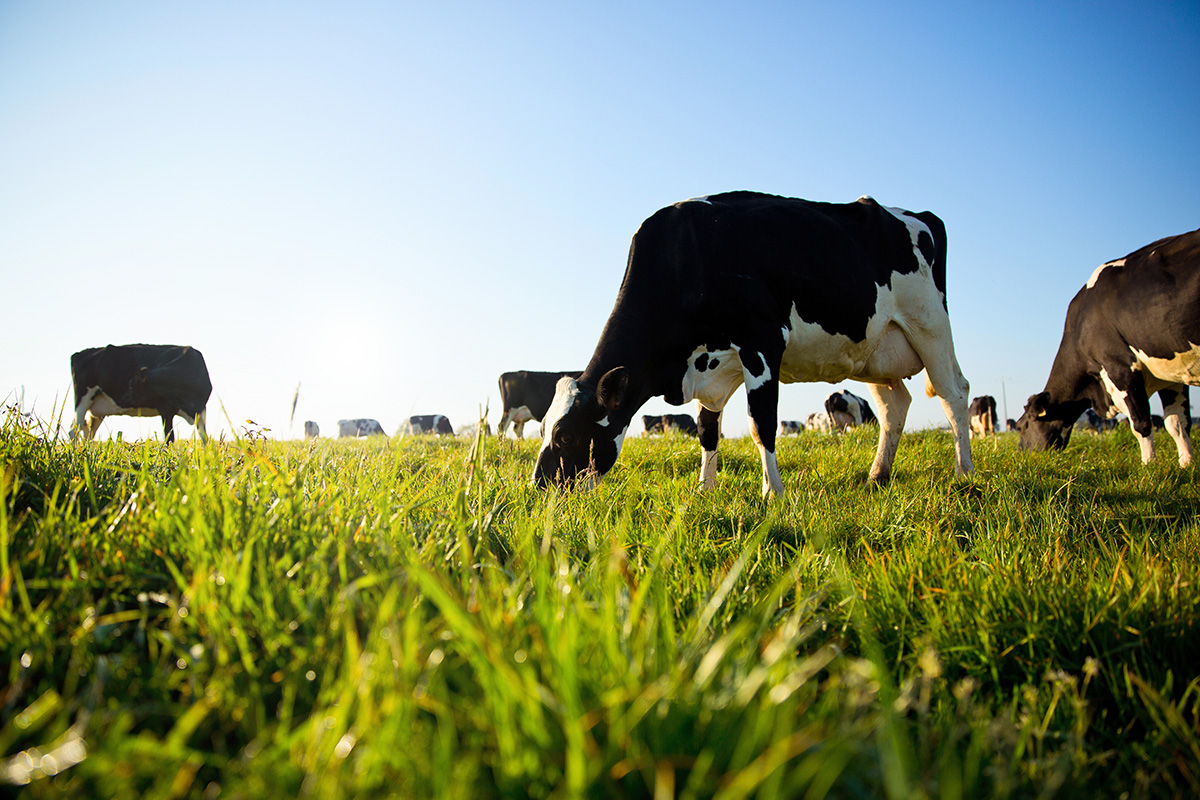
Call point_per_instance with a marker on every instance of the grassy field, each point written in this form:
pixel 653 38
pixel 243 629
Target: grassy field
pixel 409 618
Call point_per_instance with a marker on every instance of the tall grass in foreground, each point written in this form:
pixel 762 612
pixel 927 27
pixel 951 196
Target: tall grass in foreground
pixel 411 619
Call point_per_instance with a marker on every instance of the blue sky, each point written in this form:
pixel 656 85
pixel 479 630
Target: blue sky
pixel 392 203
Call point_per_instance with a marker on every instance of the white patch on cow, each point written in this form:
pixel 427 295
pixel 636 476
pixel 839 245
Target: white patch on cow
pixel 703 199
pixel 603 422
pixel 1091 282
pixel 884 355
pixel 712 387
pixel 1181 368
pixel 1118 397
pixel 708 469
pixel 103 406
pixel 566 393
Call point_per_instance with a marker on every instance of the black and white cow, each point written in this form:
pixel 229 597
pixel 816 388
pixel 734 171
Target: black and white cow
pixel 982 412
pixel 311 430
pixel 665 423
pixel 847 410
pixel 525 396
pixel 140 380
pixel 756 289
pixel 790 426
pixel 354 428
pixel 1132 330
pixel 426 423
pixel 819 421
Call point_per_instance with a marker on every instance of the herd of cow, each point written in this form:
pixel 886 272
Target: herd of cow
pixel 757 290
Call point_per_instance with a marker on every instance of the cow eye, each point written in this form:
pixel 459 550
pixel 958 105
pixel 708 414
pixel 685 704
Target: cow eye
pixel 565 438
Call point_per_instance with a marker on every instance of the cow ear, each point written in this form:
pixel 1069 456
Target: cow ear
pixel 613 386
pixel 1038 404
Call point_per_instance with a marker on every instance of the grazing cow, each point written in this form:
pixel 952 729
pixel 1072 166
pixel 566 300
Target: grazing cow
pixel 757 289
pixel 354 428
pixel 525 396
pixel 983 415
pixel 140 380
pixel 665 423
pixel 1010 425
pixel 847 410
pixel 791 426
pixel 1131 331
pixel 427 423
pixel 311 430
pixel 819 421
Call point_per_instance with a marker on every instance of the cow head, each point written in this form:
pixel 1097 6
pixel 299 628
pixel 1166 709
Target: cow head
pixel 581 436
pixel 1046 425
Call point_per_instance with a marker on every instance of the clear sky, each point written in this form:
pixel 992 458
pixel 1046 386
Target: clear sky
pixel 391 203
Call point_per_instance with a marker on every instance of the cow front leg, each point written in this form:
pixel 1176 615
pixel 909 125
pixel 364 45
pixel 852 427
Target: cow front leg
pixel 708 428
pixel 168 426
pixel 893 401
pixel 199 422
pixel 1127 389
pixel 762 398
pixel 1176 410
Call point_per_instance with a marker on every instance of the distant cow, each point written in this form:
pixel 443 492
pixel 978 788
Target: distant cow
pixel 1131 331
pixel 1010 424
pixel 819 421
pixel 427 423
pixel 982 412
pixel 311 430
pixel 140 380
pixel 792 426
pixel 525 396
pixel 848 410
pixel 354 428
pixel 752 289
pixel 1089 420
pixel 665 423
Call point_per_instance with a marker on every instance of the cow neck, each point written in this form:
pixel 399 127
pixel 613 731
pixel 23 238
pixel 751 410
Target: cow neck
pixel 1068 381
pixel 629 341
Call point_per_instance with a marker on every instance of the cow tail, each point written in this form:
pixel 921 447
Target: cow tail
pixel 929 390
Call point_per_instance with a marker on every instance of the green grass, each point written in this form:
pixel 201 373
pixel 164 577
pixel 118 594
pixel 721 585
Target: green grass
pixel 410 618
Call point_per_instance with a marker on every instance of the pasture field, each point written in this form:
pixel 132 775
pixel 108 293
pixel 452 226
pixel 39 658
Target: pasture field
pixel 409 618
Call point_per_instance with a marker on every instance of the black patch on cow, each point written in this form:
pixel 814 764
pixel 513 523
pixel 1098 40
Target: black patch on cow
pixel 713 364
pixel 925 245
pixel 755 366
pixel 702 362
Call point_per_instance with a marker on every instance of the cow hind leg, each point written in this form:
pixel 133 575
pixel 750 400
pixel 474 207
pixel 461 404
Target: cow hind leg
pixel 1175 416
pixel 168 427
pixel 91 425
pixel 708 429
pixel 944 378
pixel 893 401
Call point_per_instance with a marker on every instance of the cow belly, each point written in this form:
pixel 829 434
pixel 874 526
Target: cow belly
pixel 1182 368
pixel 103 406
pixel 812 354
pixel 520 415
